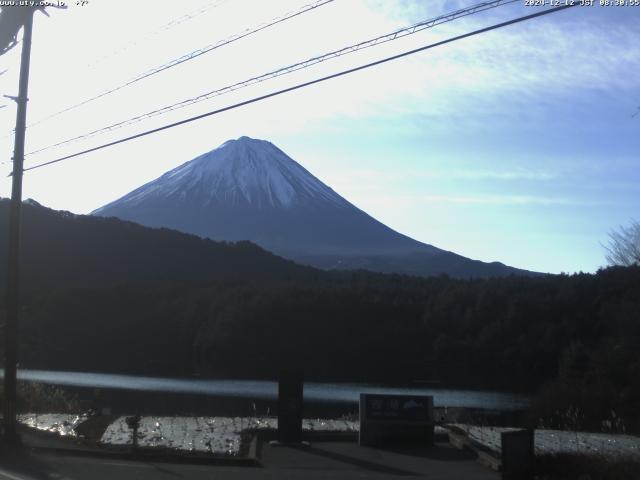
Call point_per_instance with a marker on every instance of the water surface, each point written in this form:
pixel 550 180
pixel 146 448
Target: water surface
pixel 268 390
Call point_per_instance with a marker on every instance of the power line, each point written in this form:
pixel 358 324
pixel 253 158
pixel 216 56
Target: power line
pixel 190 56
pixel 410 30
pixel 306 84
pixel 167 26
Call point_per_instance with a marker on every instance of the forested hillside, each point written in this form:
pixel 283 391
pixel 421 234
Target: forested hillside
pixel 98 298
pixel 61 249
pixel 513 334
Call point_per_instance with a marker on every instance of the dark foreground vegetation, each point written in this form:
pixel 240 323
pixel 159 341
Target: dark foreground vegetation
pixel 574 338
pixel 129 299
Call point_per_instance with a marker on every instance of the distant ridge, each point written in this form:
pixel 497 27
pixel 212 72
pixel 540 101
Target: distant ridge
pixel 61 249
pixel 248 189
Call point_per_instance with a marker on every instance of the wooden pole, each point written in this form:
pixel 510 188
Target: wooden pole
pixel 13 261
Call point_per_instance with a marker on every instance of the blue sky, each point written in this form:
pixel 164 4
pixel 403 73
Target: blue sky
pixel 518 145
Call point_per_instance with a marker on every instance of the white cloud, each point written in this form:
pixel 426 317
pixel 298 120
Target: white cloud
pixel 497 175
pixel 527 63
pixel 513 200
pixel 534 60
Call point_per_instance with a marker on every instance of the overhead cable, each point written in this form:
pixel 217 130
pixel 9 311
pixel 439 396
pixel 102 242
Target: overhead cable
pixel 403 32
pixel 189 56
pixel 305 84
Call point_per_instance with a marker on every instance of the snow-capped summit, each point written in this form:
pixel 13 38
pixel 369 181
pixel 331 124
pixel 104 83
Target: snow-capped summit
pixel 248 189
pixel 239 172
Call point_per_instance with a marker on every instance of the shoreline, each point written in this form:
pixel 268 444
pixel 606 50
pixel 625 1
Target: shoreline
pixel 40 375
pixel 144 402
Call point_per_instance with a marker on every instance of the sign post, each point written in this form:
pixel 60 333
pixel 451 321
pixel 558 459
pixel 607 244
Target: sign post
pixel 396 419
pixel 518 454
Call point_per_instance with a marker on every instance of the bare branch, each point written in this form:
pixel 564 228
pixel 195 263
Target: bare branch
pixel 624 245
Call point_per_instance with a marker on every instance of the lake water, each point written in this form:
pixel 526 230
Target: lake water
pixel 267 390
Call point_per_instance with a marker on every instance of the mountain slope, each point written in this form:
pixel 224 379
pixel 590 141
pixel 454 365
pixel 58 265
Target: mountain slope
pixel 248 189
pixel 60 249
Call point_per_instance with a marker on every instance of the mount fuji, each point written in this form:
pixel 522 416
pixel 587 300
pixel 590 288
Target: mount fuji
pixel 248 189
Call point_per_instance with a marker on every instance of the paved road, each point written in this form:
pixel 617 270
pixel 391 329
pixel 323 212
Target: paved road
pixel 335 460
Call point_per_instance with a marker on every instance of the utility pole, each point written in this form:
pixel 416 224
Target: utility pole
pixel 12 299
